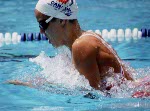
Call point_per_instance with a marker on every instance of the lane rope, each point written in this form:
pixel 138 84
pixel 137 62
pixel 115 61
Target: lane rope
pixel 112 35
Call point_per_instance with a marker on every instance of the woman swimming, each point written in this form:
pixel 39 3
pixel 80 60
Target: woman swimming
pixel 91 55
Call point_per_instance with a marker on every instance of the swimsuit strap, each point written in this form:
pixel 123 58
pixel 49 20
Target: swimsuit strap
pixel 107 45
pixel 91 35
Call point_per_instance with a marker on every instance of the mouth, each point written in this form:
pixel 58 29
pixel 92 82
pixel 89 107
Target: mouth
pixel 48 38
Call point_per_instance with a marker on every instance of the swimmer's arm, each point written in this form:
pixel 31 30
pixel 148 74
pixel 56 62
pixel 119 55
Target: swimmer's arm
pixel 29 83
pixel 84 59
pixel 17 82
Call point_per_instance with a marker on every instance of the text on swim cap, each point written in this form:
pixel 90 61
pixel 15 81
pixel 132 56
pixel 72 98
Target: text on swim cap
pixel 57 6
pixel 63 1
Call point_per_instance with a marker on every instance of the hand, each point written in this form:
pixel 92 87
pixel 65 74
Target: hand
pixel 17 82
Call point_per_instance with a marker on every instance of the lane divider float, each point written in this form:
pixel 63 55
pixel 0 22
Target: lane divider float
pixel 122 35
pixel 111 35
pixel 33 37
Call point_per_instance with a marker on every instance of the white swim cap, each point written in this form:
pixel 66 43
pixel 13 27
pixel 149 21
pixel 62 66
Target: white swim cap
pixel 62 9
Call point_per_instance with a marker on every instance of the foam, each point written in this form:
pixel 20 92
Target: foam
pixel 60 71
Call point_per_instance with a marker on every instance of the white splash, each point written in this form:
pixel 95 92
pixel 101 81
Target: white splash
pixel 60 70
pixel 123 88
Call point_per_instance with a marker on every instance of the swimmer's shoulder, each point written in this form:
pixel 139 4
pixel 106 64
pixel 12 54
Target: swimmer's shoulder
pixel 84 42
pixel 90 35
pixel 87 38
pixel 84 48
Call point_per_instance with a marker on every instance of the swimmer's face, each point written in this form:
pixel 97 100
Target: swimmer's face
pixel 53 31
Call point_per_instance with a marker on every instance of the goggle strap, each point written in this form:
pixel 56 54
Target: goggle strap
pixel 49 19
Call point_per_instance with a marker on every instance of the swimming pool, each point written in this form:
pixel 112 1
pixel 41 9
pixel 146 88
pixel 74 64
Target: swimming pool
pixel 15 62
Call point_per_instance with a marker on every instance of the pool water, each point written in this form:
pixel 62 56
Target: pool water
pixel 30 61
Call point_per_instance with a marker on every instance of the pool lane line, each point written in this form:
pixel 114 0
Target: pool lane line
pixel 112 35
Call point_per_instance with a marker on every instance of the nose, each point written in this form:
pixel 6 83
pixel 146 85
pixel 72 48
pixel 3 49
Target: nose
pixel 42 31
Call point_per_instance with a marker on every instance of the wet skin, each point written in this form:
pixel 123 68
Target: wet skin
pixel 90 56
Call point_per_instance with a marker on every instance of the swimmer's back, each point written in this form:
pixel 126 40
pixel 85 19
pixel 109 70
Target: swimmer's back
pixel 106 56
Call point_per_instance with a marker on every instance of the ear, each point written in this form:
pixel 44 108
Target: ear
pixel 62 22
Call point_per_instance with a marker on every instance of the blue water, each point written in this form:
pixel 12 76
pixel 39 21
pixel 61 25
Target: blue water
pixel 18 16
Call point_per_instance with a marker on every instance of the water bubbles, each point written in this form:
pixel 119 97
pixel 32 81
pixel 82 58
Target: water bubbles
pixel 96 47
pixel 60 70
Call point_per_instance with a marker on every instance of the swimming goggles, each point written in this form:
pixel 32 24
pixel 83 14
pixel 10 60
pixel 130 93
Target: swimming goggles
pixel 43 24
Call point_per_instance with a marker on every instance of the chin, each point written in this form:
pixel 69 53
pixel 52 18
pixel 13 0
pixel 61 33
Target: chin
pixel 57 45
pixel 54 45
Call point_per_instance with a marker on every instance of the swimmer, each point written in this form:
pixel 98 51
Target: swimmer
pixel 91 55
